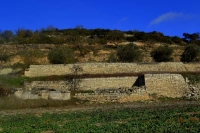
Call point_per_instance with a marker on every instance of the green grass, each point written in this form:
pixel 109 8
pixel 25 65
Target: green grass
pixel 7 81
pixel 193 78
pixel 124 120
pixel 10 81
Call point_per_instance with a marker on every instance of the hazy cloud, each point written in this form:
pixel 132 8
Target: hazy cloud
pixel 119 22
pixel 122 20
pixel 167 17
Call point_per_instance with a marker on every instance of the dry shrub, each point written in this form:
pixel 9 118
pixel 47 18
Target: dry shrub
pixel 12 102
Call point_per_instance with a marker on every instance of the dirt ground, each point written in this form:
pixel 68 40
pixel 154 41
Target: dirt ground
pixel 92 107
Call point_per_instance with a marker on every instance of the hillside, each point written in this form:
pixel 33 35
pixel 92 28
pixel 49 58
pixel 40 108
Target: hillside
pixel 27 47
pixel 95 53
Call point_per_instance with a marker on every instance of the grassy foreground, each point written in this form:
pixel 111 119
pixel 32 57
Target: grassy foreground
pixel 186 119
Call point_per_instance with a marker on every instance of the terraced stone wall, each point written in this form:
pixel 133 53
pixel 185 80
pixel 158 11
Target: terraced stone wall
pixel 111 68
pixel 171 85
pixel 85 84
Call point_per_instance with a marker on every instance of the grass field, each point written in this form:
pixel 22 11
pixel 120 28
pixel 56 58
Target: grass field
pixel 121 120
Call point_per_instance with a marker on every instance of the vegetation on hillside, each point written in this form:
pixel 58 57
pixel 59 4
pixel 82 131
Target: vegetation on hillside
pixel 162 54
pixel 52 35
pixel 61 55
pixel 83 41
pixel 129 53
pixel 191 54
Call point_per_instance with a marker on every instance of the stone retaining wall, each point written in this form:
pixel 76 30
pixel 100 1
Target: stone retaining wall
pixel 171 85
pixel 110 68
pixel 42 94
pixel 115 95
pixel 193 92
pixel 6 71
pixel 85 84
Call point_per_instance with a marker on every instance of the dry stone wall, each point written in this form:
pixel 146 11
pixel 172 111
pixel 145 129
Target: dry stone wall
pixel 170 85
pixel 115 95
pixel 113 82
pixel 42 94
pixel 193 92
pixel 85 84
pixel 166 84
pixel 5 71
pixel 110 68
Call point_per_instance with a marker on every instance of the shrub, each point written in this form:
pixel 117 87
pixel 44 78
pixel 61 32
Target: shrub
pixel 103 41
pixel 191 54
pixel 162 54
pixel 129 53
pixel 61 55
pixel 112 58
pixel 4 57
pixel 29 57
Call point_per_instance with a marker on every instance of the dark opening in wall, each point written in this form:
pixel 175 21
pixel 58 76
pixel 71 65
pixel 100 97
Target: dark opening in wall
pixel 140 81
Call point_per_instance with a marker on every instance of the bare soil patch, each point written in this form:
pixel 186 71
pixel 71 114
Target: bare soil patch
pixel 106 106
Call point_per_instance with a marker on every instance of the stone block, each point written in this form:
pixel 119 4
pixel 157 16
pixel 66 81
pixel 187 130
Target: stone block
pixel 57 95
pixel 26 95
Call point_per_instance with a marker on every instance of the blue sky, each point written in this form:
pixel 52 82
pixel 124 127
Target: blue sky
pixel 171 17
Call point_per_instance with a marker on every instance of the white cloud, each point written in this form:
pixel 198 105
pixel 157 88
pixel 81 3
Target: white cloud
pixel 122 20
pixel 167 17
pixel 119 22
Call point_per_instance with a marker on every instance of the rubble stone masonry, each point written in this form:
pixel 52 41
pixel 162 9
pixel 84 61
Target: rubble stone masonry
pixel 159 78
pixel 171 85
pixel 110 68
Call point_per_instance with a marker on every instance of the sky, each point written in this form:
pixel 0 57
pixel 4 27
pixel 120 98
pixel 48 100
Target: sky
pixel 170 17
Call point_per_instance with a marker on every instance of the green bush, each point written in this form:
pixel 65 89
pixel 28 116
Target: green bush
pixel 191 54
pixel 129 53
pixel 61 55
pixel 162 54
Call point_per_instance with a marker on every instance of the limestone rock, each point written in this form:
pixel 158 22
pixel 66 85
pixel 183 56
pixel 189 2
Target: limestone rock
pixel 57 95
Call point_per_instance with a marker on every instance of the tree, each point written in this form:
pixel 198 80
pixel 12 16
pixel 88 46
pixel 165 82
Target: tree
pixel 162 54
pixel 191 37
pixel 191 54
pixel 74 82
pixel 23 36
pixel 129 53
pixel 176 39
pixel 8 36
pixel 61 55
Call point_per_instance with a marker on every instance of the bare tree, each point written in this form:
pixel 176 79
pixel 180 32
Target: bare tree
pixel 74 82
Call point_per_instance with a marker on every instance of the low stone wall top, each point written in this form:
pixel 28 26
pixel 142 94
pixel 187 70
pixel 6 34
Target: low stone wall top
pixel 110 68
pixel 5 71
